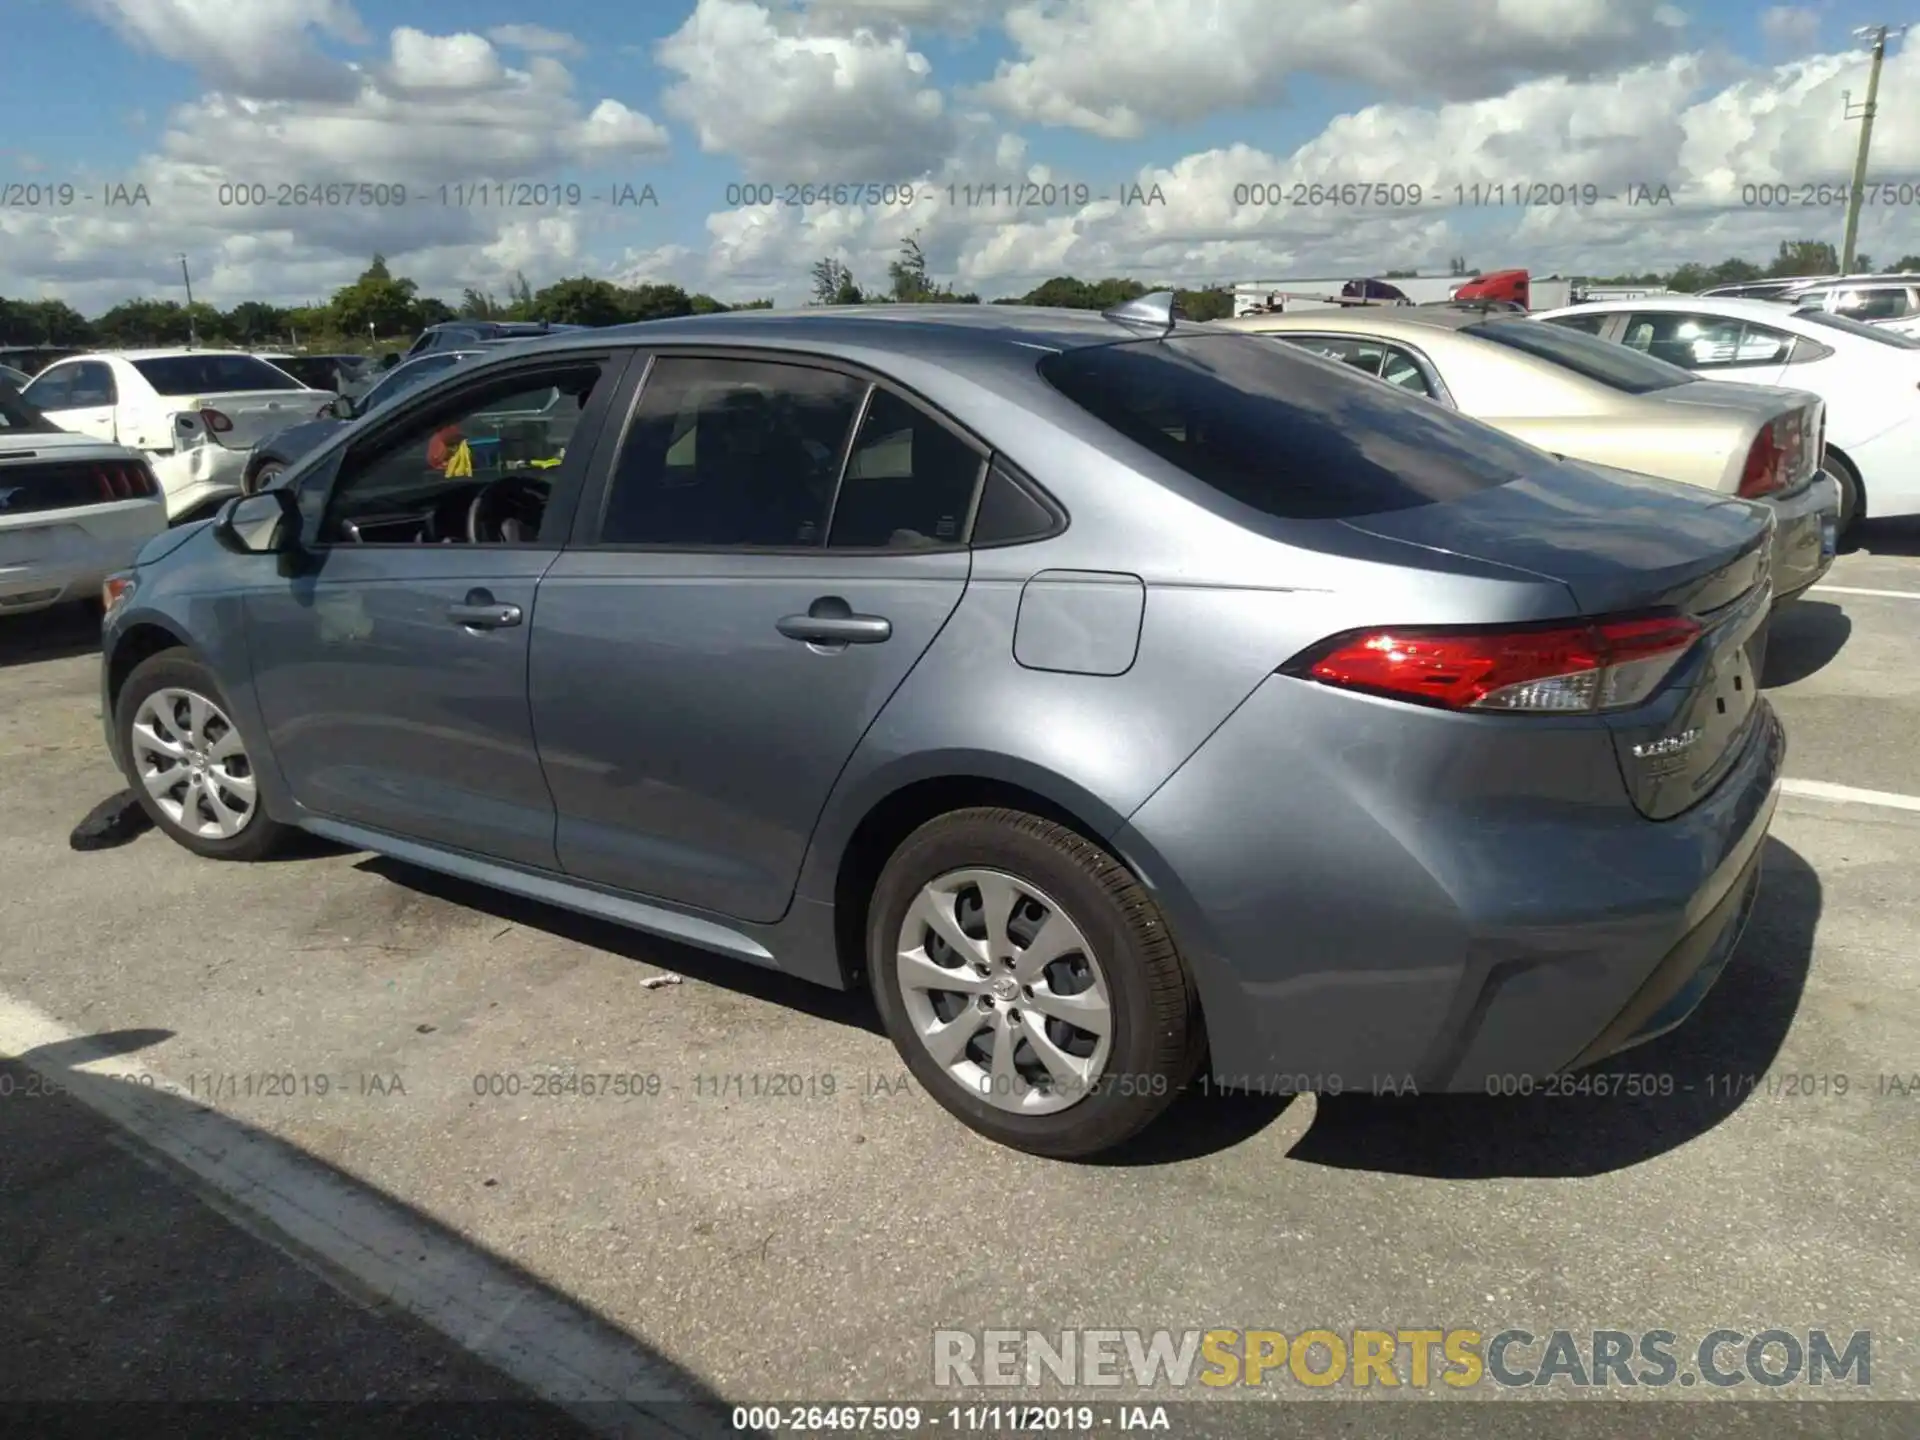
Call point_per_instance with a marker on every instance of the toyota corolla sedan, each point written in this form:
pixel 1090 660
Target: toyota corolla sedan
pixel 1116 697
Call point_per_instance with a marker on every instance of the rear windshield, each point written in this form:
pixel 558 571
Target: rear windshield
pixel 1855 327
pixel 1292 435
pixel 17 414
pixel 204 374
pixel 1619 367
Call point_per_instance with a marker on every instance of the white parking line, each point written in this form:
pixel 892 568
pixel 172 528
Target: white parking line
pixel 318 1214
pixel 1850 590
pixel 1848 795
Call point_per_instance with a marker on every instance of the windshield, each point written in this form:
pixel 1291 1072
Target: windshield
pixel 212 374
pixel 16 414
pixel 1291 435
pixel 405 377
pixel 1615 366
pixel 1854 327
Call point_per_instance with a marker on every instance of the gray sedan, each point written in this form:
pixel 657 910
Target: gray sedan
pixel 1121 700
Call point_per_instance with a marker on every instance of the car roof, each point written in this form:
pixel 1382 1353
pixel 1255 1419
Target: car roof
pixel 1398 319
pixel 966 336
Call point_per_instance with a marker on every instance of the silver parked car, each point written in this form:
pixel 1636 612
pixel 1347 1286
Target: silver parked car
pixel 1116 697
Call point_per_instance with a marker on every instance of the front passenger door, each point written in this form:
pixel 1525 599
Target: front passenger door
pixel 391 668
pixel 780 545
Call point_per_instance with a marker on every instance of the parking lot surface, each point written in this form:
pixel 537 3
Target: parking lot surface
pixel 733 1176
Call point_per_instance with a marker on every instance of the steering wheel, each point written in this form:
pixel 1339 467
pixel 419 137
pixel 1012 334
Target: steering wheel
pixel 508 511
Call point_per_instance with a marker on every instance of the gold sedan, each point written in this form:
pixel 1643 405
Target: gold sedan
pixel 1580 398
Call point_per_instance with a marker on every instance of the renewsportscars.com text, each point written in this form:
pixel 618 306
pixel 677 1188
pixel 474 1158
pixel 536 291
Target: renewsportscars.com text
pixel 1416 1358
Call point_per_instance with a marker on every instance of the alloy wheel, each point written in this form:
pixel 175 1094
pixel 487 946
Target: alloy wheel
pixel 1004 991
pixel 190 760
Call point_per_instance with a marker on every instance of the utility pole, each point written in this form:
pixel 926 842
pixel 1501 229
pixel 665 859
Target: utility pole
pixel 193 338
pixel 1878 34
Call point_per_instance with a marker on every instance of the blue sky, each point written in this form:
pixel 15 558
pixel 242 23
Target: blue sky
pixel 183 93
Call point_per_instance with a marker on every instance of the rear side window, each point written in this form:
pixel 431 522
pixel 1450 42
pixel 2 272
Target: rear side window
pixel 207 374
pixel 1292 437
pixel 909 481
pixel 16 414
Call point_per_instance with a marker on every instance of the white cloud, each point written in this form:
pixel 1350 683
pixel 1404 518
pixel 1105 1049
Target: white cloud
pixel 959 17
pixel 256 47
pixel 1114 67
pixel 1790 28
pixel 798 107
pixel 1689 124
pixel 536 40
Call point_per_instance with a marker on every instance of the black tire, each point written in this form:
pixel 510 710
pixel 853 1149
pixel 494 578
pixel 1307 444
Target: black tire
pixel 1852 496
pixel 260 835
pixel 1157 1041
pixel 256 480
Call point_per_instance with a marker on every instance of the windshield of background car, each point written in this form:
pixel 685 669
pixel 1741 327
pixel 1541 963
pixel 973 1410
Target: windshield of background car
pixel 16 414
pixel 1619 367
pixel 1854 327
pixel 1291 435
pixel 406 377
pixel 209 374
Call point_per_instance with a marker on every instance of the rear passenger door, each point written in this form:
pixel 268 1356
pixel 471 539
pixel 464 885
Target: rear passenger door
pixel 778 543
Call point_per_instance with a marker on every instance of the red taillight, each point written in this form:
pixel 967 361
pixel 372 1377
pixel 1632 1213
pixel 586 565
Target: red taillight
pixel 1561 669
pixel 1780 454
pixel 124 480
pixel 216 422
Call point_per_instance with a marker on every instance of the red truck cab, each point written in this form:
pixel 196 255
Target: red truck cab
pixel 1507 285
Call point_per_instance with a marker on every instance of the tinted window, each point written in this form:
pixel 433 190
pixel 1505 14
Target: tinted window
pixel 92 386
pixel 1865 332
pixel 729 453
pixel 404 377
pixel 1885 303
pixel 211 374
pixel 50 389
pixel 417 486
pixel 1008 511
pixel 1285 436
pixel 1614 366
pixel 909 481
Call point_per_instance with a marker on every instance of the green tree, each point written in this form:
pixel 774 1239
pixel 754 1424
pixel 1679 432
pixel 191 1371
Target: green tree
pixel 254 322
pixel 43 322
pixel 1907 265
pixel 581 300
pixel 479 305
pixel 378 303
pixel 908 276
pixel 654 302
pixel 833 284
pixel 1213 303
pixel 1804 257
pixel 144 322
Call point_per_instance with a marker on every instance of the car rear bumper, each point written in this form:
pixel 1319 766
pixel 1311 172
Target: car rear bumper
pixel 53 556
pixel 1804 535
pixel 1362 911
pixel 199 474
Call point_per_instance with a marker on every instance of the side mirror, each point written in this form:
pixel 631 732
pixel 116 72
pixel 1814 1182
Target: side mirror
pixel 267 523
pixel 342 407
pixel 389 360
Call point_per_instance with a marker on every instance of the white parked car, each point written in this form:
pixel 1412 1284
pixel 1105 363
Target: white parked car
pixel 196 414
pixel 73 509
pixel 1868 375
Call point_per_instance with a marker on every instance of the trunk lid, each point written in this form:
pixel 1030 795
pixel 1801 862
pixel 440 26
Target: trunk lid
pixel 256 414
pixel 1622 543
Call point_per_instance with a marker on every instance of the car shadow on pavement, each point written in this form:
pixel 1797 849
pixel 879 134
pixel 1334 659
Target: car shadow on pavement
pixel 1713 1060
pixel 57 634
pixel 1806 636
pixel 1898 536
pixel 135 1283
pixel 852 1008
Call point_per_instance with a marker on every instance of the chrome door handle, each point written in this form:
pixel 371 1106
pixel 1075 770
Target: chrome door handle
pixel 484 617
